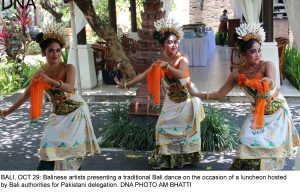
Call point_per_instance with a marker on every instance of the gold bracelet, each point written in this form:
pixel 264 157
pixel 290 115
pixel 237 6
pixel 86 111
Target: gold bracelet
pixel 272 84
pixel 2 113
pixel 60 84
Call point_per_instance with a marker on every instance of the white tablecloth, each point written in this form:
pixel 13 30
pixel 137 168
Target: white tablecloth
pixel 199 50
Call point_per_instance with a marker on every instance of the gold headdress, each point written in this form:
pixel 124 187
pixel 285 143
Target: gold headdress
pixel 55 31
pixel 168 25
pixel 251 31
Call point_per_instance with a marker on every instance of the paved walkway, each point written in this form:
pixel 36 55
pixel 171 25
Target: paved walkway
pixel 209 78
pixel 19 142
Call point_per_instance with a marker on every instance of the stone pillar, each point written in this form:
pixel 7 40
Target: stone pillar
pixel 87 70
pixel 87 67
pixel 269 48
pixel 270 53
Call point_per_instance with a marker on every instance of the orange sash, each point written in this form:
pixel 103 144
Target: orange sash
pixel 262 89
pixel 153 80
pixel 154 76
pixel 37 88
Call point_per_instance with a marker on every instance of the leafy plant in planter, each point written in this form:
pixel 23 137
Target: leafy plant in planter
pixel 217 133
pixel 292 67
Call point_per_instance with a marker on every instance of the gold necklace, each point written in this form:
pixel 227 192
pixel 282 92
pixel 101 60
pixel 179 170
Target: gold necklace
pixel 250 70
pixel 53 72
pixel 168 60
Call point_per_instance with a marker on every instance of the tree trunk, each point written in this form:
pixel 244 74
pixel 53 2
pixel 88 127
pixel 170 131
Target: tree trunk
pixel 45 5
pixel 110 36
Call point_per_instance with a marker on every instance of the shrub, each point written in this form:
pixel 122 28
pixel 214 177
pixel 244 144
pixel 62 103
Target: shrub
pixel 120 132
pixel 15 76
pixel 217 132
pixel 292 67
pixel 33 49
pixel 217 39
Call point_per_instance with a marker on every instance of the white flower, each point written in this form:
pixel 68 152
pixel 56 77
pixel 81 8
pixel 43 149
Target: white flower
pixel 168 24
pixel 254 29
pixel 55 30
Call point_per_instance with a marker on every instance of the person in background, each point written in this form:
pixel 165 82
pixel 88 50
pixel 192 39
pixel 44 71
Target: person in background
pixel 223 29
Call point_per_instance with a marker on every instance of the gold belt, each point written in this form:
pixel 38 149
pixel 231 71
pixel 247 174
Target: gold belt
pixel 273 104
pixel 56 100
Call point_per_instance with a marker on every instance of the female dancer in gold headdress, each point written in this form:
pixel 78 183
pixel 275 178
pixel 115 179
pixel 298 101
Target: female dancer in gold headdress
pixel 68 135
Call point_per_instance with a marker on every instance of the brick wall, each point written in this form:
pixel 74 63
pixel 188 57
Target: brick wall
pixel 281 28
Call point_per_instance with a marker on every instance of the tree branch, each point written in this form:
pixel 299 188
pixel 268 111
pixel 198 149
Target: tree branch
pixel 110 36
pixel 45 5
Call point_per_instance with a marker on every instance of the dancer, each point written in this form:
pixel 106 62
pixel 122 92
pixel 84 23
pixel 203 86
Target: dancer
pixel 68 134
pixel 178 139
pixel 268 134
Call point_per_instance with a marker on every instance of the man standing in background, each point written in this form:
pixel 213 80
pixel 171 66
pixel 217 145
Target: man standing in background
pixel 223 30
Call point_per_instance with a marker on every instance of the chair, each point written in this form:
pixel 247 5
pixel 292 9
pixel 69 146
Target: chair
pixel 281 44
pixel 129 45
pixel 104 62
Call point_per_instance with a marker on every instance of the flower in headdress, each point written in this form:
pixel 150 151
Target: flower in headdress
pixel 55 31
pixel 168 25
pixel 251 31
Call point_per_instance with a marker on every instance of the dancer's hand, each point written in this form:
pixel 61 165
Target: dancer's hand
pixel 163 64
pixel 119 83
pixel 3 113
pixel 266 79
pixel 190 89
pixel 269 80
pixel 45 77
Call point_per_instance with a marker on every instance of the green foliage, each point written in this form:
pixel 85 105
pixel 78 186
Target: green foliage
pixel 58 6
pixel 102 11
pixel 33 49
pixel 65 55
pixel 217 38
pixel 292 66
pixel 9 80
pixel 15 76
pixel 217 133
pixel 14 33
pixel 120 132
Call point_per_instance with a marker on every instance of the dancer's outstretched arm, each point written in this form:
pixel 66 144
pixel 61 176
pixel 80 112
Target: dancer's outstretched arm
pixel 17 103
pixel 221 93
pixel 137 79
pixel 133 82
